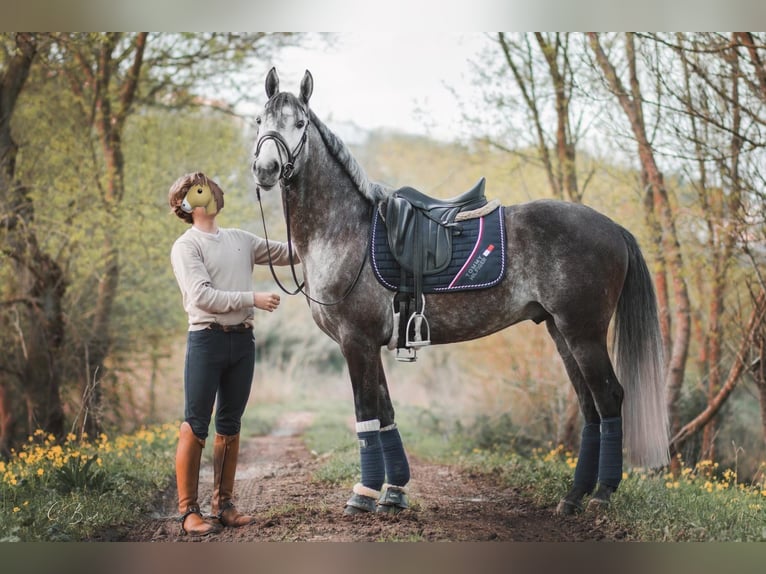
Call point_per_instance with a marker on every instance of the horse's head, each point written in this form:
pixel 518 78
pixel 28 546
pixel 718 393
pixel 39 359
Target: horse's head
pixel 282 131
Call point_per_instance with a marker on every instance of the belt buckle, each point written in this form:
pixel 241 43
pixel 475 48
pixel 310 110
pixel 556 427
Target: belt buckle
pixel 238 328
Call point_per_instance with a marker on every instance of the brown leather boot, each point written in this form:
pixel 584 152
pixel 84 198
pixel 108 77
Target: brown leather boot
pixel 225 453
pixel 188 456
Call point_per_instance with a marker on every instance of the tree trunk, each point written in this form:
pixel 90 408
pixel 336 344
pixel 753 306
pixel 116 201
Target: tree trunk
pixel 759 372
pixel 112 107
pixel 40 281
pixel 561 168
pixel 754 326
pixel 660 211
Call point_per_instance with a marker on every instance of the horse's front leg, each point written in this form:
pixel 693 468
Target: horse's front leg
pixel 393 498
pixel 370 394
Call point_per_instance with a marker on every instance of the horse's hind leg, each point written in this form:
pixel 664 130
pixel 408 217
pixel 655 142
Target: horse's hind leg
pixel 586 471
pixel 590 353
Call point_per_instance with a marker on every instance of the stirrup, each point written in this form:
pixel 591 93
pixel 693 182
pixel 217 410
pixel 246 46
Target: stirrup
pixel 419 319
pixel 418 340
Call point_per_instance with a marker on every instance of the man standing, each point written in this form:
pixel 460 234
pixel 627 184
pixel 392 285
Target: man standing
pixel 213 267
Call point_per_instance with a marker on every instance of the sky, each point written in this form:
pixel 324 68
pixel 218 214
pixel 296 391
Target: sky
pixel 382 80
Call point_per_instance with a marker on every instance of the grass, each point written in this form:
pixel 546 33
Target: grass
pixel 704 503
pixel 74 490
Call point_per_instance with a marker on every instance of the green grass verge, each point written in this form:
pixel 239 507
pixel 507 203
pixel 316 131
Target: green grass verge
pixel 75 490
pixel 702 504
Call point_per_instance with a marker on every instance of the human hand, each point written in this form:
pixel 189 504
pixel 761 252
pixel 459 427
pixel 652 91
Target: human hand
pixel 266 301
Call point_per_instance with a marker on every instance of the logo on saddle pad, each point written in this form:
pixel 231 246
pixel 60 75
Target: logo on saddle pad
pixel 477 261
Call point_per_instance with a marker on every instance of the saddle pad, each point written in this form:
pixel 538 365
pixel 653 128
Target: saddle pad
pixel 478 257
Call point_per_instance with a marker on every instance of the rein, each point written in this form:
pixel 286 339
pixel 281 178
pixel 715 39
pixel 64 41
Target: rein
pixel 284 181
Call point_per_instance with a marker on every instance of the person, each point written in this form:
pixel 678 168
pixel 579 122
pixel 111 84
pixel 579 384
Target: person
pixel 213 267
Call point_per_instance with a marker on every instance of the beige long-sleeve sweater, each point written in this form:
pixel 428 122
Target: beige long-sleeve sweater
pixel 215 273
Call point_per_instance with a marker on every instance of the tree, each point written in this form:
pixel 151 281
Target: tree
pixel 61 291
pixel 659 215
pixel 556 148
pixel 541 69
pixel 33 305
pixel 111 74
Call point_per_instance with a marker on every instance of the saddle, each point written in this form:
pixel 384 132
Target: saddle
pixel 420 227
pixel 419 231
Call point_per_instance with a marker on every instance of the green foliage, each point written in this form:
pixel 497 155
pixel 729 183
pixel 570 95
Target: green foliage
pixel 331 432
pixel 703 504
pixel 71 491
pixel 341 468
pixel 80 474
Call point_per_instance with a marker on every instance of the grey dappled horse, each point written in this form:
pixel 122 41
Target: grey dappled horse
pixel 567 266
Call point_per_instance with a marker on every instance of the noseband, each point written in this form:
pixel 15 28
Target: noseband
pixel 288 167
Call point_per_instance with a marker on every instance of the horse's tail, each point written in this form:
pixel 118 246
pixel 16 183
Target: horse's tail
pixel 639 364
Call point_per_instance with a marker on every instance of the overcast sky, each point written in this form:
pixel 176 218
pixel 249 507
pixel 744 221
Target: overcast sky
pixel 381 80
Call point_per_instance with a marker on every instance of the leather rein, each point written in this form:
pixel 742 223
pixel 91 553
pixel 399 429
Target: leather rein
pixel 285 175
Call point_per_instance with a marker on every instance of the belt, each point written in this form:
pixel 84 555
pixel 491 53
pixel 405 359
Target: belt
pixel 239 328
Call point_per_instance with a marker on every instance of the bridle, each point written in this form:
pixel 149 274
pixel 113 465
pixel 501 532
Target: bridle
pixel 285 175
pixel 288 166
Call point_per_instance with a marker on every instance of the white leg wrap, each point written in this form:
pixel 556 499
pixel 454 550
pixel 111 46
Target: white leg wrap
pixel 388 428
pixel 363 490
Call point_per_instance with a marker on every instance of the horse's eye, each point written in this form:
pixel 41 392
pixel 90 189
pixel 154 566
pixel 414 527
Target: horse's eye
pixel 258 120
pixel 300 124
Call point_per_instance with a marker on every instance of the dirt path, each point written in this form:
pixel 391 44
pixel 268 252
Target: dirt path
pixel 274 483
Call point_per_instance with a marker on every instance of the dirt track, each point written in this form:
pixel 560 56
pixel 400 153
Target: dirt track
pixel 274 482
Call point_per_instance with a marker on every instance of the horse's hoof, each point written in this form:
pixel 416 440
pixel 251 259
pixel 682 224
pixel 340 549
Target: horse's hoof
pixel 568 507
pixel 359 504
pixel 393 500
pixel 597 505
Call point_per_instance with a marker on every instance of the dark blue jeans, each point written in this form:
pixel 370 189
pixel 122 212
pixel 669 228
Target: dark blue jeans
pixel 218 365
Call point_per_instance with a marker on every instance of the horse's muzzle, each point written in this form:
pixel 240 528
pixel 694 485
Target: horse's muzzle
pixel 266 177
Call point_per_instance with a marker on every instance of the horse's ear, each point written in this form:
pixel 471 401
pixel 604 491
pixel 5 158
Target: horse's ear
pixel 307 87
pixel 272 83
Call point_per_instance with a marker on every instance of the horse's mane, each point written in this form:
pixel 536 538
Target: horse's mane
pixel 374 192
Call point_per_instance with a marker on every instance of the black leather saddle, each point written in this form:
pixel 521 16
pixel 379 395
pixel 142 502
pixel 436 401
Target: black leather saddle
pixel 420 228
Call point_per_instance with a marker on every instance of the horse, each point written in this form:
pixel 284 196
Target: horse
pixel 567 266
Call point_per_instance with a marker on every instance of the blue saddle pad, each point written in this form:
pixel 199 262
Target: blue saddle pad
pixel 478 257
